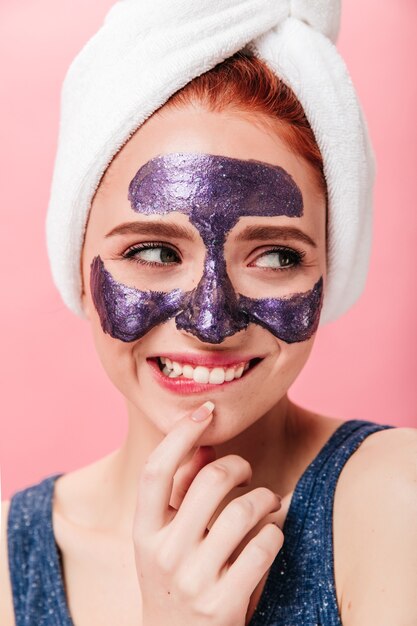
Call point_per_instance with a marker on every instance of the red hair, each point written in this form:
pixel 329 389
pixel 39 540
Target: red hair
pixel 245 82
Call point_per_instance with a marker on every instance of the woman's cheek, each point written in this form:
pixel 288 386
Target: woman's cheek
pixel 295 357
pixel 116 358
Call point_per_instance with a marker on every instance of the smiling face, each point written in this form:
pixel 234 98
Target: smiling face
pixel 206 242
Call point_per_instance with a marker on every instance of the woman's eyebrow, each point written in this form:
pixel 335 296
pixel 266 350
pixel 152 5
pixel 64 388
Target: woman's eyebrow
pixel 265 233
pixel 157 229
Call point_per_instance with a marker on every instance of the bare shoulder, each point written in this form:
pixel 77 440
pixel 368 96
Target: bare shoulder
pixel 375 537
pixel 6 601
pixel 384 460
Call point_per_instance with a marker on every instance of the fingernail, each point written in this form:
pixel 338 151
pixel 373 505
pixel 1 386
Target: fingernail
pixel 203 412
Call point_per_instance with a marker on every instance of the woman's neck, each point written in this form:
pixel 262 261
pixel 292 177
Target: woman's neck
pixel 273 445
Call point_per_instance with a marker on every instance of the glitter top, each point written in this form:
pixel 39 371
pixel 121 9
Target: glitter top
pixel 300 587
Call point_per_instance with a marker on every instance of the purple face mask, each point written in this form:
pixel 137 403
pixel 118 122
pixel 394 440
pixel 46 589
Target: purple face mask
pixel 214 192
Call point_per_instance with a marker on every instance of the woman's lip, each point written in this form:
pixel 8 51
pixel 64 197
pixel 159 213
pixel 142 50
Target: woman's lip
pixel 187 385
pixel 207 360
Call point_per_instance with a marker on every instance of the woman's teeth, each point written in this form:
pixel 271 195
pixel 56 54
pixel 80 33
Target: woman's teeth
pixel 201 374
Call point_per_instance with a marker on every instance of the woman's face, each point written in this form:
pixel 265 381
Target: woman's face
pixel 204 266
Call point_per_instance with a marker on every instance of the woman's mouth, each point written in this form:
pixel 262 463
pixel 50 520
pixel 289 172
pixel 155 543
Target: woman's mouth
pixel 185 377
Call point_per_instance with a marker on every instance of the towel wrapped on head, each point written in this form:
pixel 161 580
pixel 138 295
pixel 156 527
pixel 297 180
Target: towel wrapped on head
pixel 146 51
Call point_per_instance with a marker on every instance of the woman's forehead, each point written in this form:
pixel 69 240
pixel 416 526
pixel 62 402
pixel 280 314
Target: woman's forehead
pixel 198 131
pixel 201 186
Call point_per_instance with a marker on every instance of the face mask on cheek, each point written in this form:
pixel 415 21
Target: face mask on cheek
pixel 214 192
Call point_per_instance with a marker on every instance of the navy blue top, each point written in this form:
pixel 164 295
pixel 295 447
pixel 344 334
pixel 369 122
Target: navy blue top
pixel 299 589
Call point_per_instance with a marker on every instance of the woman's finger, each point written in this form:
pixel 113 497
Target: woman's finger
pixel 187 472
pixel 204 496
pixel 156 479
pixel 239 521
pixel 254 560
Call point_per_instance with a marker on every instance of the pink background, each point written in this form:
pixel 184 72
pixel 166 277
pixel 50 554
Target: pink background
pixel 58 410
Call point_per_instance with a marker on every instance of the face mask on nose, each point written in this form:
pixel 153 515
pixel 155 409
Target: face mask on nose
pixel 214 192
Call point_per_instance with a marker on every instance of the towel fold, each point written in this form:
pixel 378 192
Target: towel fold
pixel 147 50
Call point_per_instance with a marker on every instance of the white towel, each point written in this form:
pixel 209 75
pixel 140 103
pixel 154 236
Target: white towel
pixel 148 49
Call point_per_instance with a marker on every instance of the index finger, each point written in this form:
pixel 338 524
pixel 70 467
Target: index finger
pixel 157 477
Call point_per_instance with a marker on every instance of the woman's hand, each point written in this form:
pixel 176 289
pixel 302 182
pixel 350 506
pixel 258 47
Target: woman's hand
pixel 184 570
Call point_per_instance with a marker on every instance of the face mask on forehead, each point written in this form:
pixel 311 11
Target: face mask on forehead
pixel 214 192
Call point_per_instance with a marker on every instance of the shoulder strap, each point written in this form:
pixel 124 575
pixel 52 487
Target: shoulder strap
pixel 301 580
pixel 316 539
pixel 315 490
pixel 32 555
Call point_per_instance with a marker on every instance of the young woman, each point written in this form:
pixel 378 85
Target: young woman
pixel 204 266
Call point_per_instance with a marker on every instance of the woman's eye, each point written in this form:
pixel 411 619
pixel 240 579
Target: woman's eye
pixel 152 255
pixel 278 259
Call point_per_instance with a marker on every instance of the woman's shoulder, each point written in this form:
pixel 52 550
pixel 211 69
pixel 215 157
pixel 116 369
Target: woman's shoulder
pixel 374 461
pixel 375 517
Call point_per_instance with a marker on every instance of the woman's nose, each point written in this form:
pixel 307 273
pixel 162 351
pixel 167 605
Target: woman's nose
pixel 211 311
